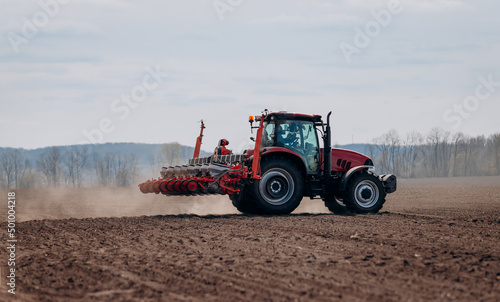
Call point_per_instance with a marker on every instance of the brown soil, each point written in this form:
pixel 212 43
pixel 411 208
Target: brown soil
pixel 435 239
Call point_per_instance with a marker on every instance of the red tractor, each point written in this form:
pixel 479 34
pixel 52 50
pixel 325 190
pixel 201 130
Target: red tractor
pixel 285 165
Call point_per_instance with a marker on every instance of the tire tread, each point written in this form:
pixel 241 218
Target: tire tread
pixel 350 204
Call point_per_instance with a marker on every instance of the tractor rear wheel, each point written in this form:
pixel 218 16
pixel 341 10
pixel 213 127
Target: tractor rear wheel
pixel 244 202
pixel 280 189
pixel 335 204
pixel 365 194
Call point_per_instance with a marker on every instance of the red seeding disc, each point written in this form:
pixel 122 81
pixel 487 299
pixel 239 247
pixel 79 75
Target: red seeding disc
pixel 177 185
pixel 156 186
pixel 163 186
pixel 144 188
pixel 170 185
pixel 184 185
pixel 192 186
pixel 150 187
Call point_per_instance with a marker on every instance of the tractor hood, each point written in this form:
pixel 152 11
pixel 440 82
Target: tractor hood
pixel 343 160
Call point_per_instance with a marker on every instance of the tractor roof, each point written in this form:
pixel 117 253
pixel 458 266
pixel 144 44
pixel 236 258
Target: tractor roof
pixel 282 115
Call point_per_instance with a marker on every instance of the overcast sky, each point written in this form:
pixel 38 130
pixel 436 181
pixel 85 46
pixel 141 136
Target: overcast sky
pixel 68 69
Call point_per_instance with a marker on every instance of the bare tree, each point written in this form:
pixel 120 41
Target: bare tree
pixel 104 168
pixel 132 166
pixel 187 153
pixel 28 179
pixel 389 144
pixel 121 173
pixel 370 150
pixel 3 182
pixel 392 137
pixel 439 152
pixel 474 148
pixel 382 161
pixel 171 153
pixel 409 153
pixel 20 165
pixel 115 169
pixel 14 165
pixel 155 162
pixel 75 161
pixel 7 168
pixel 458 142
pixel 49 164
pixel 494 147
pixel 126 167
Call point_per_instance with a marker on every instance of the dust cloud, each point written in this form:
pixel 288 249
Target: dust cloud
pixel 61 203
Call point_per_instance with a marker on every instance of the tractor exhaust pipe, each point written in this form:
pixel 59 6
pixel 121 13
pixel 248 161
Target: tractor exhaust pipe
pixel 327 142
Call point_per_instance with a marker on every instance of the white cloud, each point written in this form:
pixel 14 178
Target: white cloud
pixel 123 4
pixel 327 19
pixel 434 5
pixel 428 5
pixel 72 26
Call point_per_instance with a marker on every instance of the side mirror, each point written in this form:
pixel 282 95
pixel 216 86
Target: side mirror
pixel 252 139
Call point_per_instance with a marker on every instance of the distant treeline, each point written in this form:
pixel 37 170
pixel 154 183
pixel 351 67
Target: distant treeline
pixel 437 154
pixel 118 165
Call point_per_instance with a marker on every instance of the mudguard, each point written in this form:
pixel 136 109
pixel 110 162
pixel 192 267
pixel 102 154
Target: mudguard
pixel 345 178
pixel 389 181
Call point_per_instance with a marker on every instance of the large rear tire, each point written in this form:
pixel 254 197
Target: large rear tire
pixel 335 205
pixel 365 194
pixel 244 202
pixel 280 189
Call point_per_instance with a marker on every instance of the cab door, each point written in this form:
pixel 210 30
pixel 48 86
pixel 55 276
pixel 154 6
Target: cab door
pixel 311 147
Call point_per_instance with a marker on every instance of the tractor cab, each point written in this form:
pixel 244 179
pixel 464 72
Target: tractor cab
pixel 296 132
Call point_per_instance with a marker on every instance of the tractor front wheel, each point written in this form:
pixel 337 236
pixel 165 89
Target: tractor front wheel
pixel 280 189
pixel 365 194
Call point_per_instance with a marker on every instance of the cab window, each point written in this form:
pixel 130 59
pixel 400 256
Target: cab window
pixel 311 148
pixel 268 135
pixel 301 137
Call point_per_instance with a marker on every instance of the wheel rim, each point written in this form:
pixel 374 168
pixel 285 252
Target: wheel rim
pixel 366 194
pixel 276 186
pixel 340 201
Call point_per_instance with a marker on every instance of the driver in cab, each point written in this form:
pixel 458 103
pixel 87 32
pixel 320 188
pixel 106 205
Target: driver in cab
pixel 289 136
